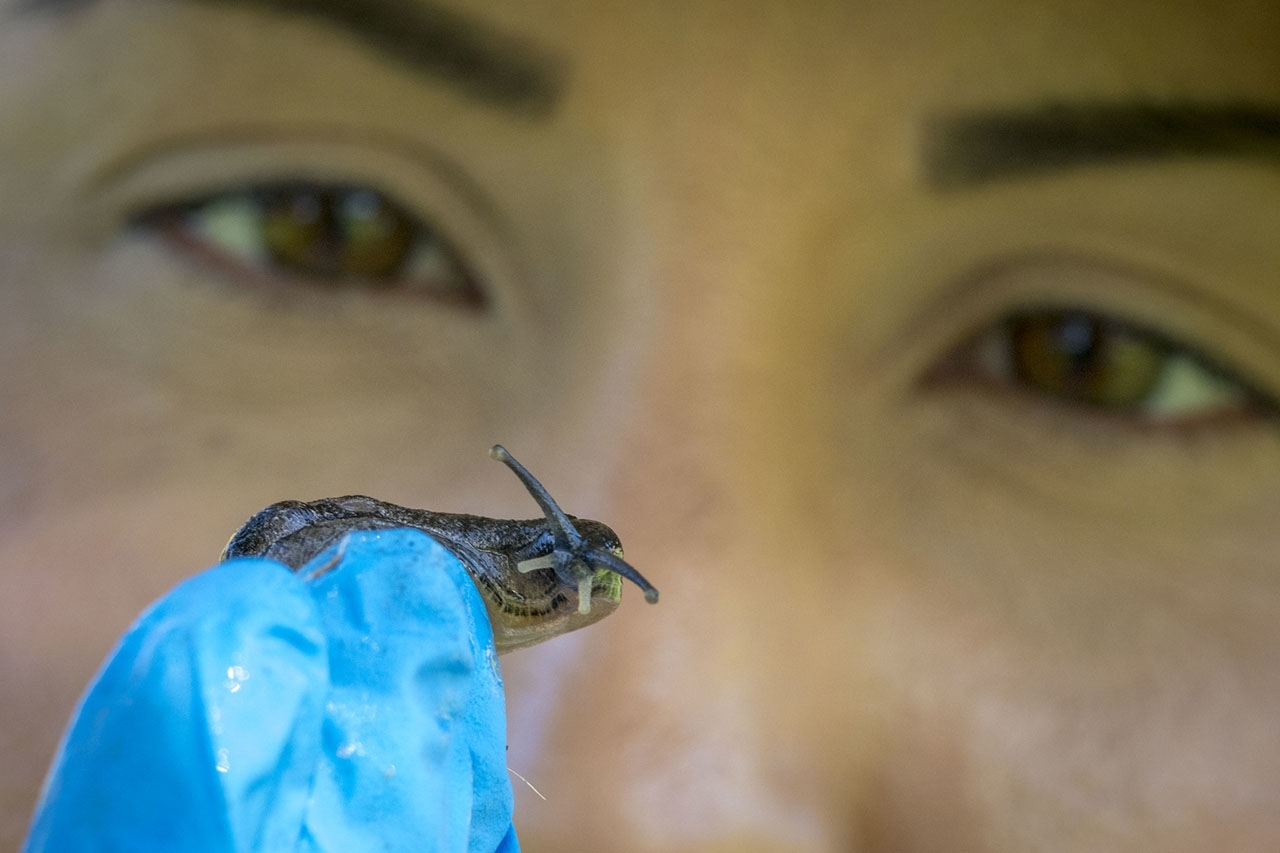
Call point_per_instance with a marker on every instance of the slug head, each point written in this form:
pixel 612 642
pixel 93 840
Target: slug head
pixel 575 561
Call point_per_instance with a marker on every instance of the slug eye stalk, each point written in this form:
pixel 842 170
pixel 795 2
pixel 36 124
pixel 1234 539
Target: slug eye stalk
pixel 574 561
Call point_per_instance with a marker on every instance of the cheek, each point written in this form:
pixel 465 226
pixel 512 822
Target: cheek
pixel 1082 682
pixel 74 579
pixel 124 368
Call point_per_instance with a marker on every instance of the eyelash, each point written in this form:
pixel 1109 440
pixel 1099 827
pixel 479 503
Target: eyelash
pixel 335 236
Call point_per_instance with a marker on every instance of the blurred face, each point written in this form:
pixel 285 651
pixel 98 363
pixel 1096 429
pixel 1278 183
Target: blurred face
pixel 925 356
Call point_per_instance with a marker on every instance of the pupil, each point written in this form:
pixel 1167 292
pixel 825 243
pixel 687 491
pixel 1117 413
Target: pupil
pixel 1079 340
pixel 361 205
pixel 306 208
pixel 1077 335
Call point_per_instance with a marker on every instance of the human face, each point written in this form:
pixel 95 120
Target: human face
pixel 745 286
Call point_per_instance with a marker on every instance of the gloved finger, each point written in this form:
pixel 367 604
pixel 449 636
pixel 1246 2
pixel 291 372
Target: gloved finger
pixel 215 725
pixel 415 728
pixel 195 734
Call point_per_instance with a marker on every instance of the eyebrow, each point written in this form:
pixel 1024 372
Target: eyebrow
pixel 471 55
pixel 962 151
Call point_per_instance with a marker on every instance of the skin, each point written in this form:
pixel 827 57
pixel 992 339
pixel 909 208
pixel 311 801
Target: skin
pixel 902 609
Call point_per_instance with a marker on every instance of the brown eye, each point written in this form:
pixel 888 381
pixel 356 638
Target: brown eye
pixel 332 236
pixel 1087 359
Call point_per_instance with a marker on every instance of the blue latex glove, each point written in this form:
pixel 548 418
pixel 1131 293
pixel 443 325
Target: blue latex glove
pixel 250 710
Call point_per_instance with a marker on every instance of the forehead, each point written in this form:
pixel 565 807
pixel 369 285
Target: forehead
pixel 978 50
pixel 845 56
pixel 1051 39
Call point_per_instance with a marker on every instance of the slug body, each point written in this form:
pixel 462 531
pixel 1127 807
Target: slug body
pixel 539 578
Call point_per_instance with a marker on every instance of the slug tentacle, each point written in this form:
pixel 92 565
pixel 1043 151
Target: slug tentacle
pixel 547 561
pixel 575 561
pixel 566 535
pixel 600 559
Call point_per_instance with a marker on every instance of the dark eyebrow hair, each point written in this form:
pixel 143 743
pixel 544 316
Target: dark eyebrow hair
pixel 486 64
pixel 966 150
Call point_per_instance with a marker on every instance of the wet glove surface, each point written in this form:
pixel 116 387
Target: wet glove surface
pixel 250 710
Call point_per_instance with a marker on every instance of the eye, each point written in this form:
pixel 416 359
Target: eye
pixel 338 237
pixel 1105 364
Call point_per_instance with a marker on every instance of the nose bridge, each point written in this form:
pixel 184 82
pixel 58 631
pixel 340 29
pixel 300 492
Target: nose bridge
pixel 719 409
pixel 687 453
pixel 730 167
pixel 689 407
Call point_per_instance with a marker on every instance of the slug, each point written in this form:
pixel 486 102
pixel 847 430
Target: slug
pixel 539 578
